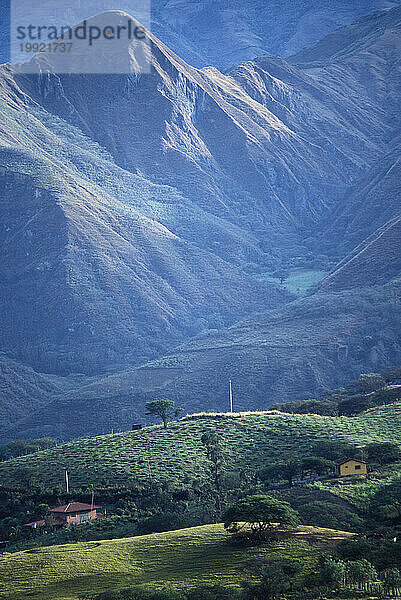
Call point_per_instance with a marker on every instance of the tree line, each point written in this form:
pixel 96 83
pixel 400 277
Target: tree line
pixel 368 391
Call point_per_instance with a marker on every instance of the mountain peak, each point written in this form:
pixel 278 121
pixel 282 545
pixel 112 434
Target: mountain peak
pixel 109 42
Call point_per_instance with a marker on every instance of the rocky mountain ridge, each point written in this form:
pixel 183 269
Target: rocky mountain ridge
pixel 139 208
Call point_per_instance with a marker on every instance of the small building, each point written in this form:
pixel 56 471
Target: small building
pixel 350 466
pixel 36 524
pixel 73 513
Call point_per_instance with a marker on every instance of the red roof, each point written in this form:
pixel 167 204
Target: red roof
pixel 40 523
pixel 73 507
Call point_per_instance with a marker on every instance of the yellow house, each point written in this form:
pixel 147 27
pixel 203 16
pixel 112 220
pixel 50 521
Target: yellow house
pixel 350 466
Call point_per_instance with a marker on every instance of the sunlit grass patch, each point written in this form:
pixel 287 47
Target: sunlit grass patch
pixel 183 558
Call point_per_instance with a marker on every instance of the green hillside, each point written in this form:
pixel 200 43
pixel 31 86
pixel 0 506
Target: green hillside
pixel 182 558
pixel 176 454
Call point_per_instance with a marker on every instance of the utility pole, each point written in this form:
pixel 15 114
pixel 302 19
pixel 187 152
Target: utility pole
pixel 92 499
pixel 67 482
pixel 231 395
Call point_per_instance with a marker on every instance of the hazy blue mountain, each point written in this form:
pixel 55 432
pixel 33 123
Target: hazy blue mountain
pixel 316 343
pixel 220 33
pixel 229 32
pixel 141 214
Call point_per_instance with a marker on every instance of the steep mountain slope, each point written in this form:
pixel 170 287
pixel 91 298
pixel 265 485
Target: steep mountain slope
pixel 348 44
pixel 172 126
pixel 374 201
pixel 376 260
pixel 98 283
pixel 219 34
pixel 229 32
pixel 366 225
pixel 134 203
pixel 22 391
pixel 117 268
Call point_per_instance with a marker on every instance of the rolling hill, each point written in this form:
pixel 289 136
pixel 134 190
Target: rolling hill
pixel 180 559
pixel 176 454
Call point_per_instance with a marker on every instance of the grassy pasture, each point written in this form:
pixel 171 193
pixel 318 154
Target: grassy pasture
pixel 299 281
pixel 180 559
pixel 176 454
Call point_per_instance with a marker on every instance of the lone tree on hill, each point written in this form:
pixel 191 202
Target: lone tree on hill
pixel 165 409
pixel 281 274
pixel 260 513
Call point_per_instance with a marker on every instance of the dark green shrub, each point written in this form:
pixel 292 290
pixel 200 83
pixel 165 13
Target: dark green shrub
pixel 328 514
pixel 212 592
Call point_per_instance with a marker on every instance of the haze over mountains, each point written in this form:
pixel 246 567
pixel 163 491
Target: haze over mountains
pixel 221 34
pixel 143 217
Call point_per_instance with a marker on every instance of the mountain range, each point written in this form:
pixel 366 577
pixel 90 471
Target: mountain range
pixel 220 34
pixel 146 219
